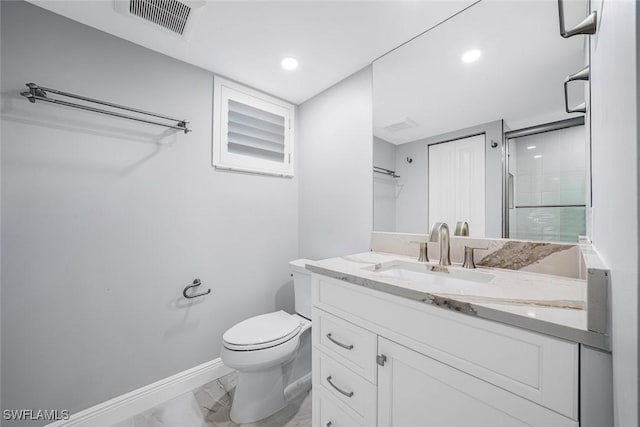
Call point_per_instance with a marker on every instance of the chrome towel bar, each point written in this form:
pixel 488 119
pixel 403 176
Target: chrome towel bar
pixel 39 93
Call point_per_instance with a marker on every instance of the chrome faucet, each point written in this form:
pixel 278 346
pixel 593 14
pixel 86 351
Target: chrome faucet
pixel 440 232
pixel 462 228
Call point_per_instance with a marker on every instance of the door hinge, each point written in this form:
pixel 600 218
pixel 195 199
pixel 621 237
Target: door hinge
pixel 381 358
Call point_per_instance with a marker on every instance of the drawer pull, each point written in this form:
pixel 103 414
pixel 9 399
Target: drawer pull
pixel 348 394
pixel 338 343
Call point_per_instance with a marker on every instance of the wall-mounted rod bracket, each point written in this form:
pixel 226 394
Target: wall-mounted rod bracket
pixel 587 26
pixel 580 75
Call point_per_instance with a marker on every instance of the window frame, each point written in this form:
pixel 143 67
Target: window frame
pixel 223 91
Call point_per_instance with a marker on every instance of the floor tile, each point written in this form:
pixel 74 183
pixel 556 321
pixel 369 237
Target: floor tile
pixel 209 406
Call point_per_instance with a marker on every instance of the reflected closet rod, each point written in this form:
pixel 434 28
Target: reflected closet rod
pixel 39 93
pixel 385 171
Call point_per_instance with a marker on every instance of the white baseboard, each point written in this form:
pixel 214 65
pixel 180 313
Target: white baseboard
pixel 127 405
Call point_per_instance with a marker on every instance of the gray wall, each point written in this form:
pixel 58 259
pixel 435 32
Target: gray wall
pixel 385 187
pixel 412 201
pixel 104 221
pixel 614 144
pixel 335 159
pixel 384 154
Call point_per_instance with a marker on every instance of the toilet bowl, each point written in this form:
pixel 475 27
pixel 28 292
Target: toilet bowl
pixel 272 354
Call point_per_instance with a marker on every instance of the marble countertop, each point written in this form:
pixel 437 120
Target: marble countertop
pixel 551 305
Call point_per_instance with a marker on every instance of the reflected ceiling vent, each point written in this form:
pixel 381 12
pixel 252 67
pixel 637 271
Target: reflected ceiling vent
pixel 398 125
pixel 176 16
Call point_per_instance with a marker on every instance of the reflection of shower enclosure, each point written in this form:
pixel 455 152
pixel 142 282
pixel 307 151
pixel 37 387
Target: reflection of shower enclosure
pixel 547 184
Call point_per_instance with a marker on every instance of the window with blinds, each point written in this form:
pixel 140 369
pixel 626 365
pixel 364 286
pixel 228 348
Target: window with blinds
pixel 253 132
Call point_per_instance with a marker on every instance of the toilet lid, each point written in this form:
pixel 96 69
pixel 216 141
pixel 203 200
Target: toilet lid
pixel 262 331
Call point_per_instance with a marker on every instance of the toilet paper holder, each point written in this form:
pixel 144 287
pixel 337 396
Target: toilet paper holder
pixel 196 282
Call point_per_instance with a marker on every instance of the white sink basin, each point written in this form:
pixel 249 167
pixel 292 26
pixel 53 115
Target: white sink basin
pixel 452 280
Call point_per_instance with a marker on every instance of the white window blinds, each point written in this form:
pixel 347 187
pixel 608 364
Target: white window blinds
pixel 253 131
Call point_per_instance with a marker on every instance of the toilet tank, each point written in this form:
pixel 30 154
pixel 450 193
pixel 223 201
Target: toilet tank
pixel 302 286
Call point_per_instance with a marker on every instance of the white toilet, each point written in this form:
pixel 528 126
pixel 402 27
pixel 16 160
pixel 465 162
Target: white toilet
pixel 272 354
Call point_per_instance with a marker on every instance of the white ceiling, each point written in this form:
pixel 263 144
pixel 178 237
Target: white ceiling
pixel 519 76
pixel 246 41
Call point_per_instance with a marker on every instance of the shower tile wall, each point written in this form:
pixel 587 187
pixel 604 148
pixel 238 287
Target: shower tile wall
pixel 550 170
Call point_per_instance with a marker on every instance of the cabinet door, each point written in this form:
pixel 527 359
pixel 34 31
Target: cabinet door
pixel 415 390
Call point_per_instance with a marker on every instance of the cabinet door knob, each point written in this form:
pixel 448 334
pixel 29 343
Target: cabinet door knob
pixel 381 359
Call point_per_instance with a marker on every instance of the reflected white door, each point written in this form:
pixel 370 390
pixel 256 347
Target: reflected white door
pixel 457 183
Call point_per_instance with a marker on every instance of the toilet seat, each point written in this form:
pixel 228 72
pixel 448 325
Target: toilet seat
pixel 261 332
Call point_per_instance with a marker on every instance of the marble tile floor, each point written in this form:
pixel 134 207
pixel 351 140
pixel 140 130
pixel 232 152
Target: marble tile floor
pixel 209 406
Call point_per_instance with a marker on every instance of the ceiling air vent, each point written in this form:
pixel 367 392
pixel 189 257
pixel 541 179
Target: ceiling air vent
pixel 398 125
pixel 173 15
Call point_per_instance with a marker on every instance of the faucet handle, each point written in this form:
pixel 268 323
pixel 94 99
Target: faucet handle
pixel 423 251
pixel 468 256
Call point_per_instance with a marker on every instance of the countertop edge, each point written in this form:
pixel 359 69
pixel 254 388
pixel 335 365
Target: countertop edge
pixel 592 339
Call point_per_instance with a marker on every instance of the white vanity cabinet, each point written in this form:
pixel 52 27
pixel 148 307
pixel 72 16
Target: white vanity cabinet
pixel 382 360
pixel 414 389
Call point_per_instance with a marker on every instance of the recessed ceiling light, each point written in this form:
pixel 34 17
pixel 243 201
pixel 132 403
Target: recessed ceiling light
pixel 289 63
pixel 471 55
pixel 537 156
pixel 531 147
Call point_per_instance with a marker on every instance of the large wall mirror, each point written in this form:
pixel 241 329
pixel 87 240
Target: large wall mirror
pixel 470 124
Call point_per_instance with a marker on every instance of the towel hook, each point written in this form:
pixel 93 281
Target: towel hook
pixel 196 282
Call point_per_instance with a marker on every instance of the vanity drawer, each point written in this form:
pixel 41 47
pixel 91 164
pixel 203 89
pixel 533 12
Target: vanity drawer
pixel 351 345
pixel 332 413
pixel 537 367
pixel 345 386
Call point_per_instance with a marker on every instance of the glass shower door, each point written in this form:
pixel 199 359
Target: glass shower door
pixel 547 185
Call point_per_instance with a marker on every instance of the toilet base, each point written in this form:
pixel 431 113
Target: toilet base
pixel 258 395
